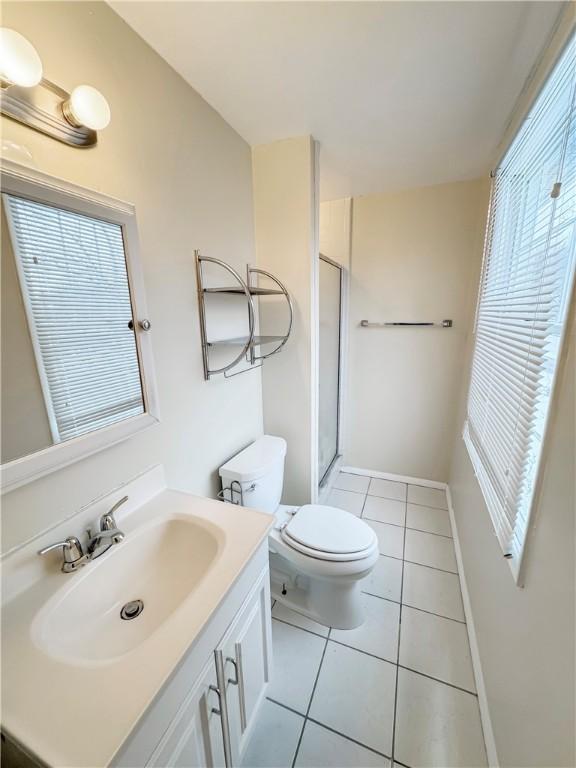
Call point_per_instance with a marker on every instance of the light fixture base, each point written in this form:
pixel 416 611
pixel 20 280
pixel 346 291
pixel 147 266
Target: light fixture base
pixel 41 108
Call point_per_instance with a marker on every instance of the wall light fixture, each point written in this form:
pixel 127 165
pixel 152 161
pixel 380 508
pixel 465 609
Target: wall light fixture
pixel 19 60
pixel 73 118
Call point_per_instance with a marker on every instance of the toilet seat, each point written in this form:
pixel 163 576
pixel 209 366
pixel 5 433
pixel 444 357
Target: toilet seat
pixel 329 533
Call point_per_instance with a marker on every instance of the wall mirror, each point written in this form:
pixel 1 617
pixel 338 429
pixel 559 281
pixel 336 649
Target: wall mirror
pixel 76 370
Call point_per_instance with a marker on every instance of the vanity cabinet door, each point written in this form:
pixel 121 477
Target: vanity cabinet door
pixel 194 738
pixel 247 650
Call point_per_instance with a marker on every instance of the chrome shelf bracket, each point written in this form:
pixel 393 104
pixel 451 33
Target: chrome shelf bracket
pixel 208 372
pixel 248 290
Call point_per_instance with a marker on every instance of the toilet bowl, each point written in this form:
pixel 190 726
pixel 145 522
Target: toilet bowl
pixel 318 554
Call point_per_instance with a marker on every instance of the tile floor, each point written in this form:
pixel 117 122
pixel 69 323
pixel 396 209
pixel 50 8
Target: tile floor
pixel 400 689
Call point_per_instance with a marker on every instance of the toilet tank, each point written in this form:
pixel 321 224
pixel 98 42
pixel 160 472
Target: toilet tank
pixel 259 470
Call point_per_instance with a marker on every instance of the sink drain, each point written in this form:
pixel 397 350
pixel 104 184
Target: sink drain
pixel 131 610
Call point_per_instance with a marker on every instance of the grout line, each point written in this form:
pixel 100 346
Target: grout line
pixel 349 738
pixel 366 653
pixel 285 706
pixel 431 533
pixel 413 607
pixel 431 613
pixel 393 557
pixel 295 626
pixel 408 527
pixel 299 742
pixel 310 700
pixel 437 680
pixel 428 506
pixel 388 599
pixel 413 562
pixel 348 490
pixel 388 498
pixel 432 567
pixel 398 650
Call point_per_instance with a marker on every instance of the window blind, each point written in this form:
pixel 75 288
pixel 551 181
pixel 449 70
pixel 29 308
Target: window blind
pixel 522 306
pixel 74 283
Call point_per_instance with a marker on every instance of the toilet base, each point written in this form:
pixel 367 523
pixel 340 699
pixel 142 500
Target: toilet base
pixel 334 602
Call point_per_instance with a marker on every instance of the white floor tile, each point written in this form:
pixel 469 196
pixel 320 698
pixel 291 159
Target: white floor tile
pixel 297 656
pixel 386 579
pixel 275 737
pixel 298 620
pixel 321 748
pixel 390 538
pixel 385 510
pixel 428 549
pixel 388 489
pixel 346 481
pixel 355 696
pixel 433 591
pixel 437 647
pixel 429 519
pixel 379 633
pixel 429 497
pixel 436 725
pixel 347 500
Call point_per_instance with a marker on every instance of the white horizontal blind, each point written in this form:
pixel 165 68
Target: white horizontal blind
pixel 73 273
pixel 522 306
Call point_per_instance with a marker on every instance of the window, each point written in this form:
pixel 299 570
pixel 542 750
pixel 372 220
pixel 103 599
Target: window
pixel 74 283
pixel 523 303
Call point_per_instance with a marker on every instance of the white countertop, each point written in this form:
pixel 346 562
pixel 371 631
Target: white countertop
pixel 71 714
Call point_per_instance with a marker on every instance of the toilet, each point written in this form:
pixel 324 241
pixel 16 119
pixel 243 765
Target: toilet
pixel 318 554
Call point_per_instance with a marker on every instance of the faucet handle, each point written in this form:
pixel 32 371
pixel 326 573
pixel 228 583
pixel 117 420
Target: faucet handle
pixel 72 550
pixel 107 521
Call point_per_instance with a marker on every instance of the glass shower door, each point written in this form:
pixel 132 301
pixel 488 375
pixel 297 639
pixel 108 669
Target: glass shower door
pixel 330 302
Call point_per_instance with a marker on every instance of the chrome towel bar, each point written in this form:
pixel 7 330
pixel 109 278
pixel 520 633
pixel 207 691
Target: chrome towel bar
pixel 443 324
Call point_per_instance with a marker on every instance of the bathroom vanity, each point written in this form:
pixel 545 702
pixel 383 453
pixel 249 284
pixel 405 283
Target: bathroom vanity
pixel 180 684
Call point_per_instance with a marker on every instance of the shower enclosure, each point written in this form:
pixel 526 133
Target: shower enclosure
pixel 331 280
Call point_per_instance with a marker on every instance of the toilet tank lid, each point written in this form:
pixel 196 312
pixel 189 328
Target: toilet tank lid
pixel 255 460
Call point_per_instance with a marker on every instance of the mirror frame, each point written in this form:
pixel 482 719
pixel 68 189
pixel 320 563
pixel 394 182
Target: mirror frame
pixel 36 185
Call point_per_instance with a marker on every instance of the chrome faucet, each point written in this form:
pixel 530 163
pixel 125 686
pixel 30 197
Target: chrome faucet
pixel 74 556
pixel 108 535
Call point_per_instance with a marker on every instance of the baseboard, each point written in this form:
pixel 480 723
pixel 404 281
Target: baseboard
pixel 396 478
pixel 489 740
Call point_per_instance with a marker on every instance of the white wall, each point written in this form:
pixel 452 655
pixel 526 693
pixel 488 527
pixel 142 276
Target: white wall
pixel 285 214
pixel 416 255
pixel 526 636
pixel 189 175
pixel 335 230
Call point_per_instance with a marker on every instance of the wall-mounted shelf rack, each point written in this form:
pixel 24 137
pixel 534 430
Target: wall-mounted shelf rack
pixel 248 289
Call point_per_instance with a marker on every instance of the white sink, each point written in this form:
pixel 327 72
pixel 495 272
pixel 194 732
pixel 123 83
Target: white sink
pixel 67 656
pixel 161 564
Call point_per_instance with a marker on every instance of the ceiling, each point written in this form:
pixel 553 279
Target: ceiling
pixel 398 94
